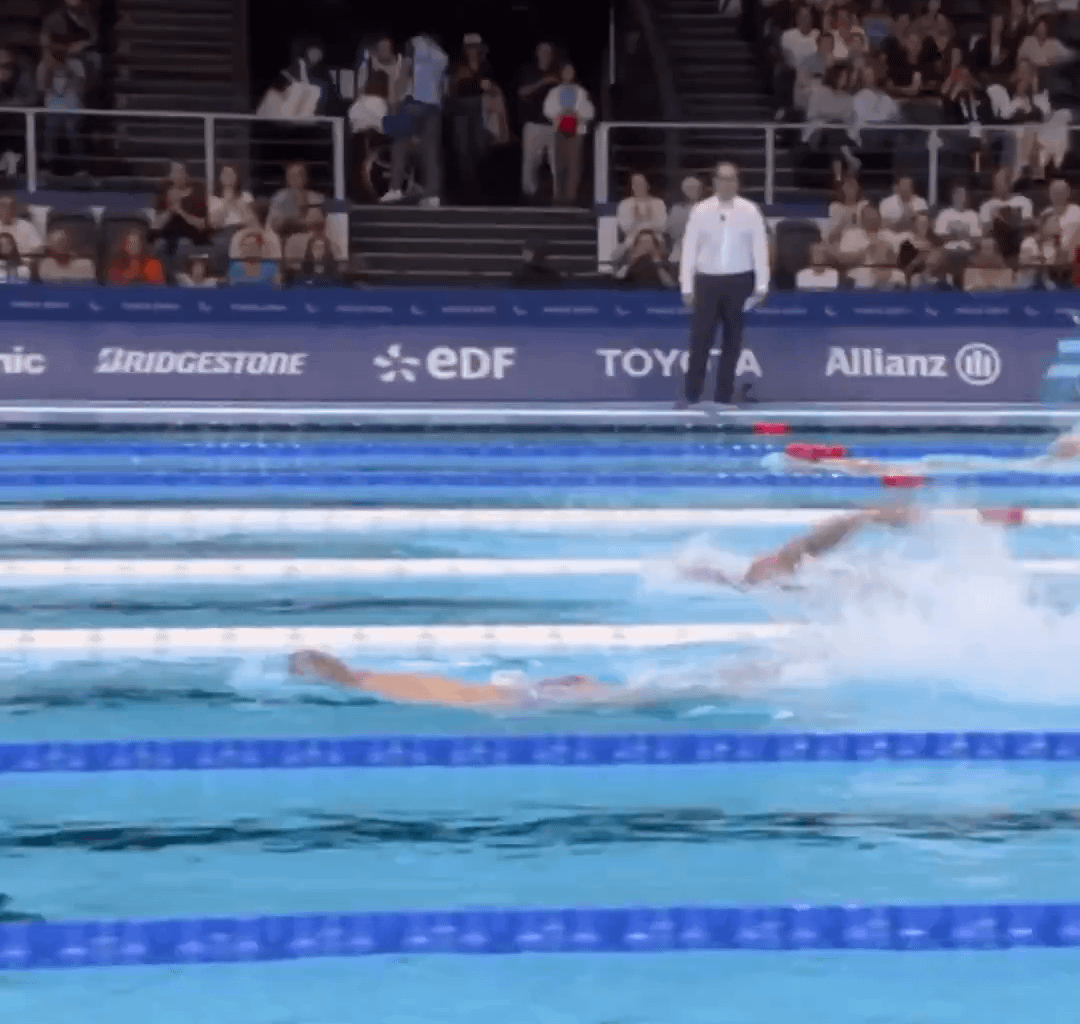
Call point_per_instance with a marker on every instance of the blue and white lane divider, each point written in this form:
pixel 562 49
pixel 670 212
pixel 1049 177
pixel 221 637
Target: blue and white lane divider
pixel 142 942
pixel 163 524
pixel 337 451
pixel 581 750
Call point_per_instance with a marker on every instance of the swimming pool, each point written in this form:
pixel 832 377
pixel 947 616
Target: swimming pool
pixel 954 626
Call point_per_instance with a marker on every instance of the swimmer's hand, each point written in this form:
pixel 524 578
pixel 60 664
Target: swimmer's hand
pixel 894 516
pixel 304 663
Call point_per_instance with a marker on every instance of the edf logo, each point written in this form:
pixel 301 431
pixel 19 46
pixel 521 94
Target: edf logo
pixel 446 363
pixel 978 364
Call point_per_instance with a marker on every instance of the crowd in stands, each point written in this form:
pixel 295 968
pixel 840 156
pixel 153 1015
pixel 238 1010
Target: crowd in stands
pixel 405 99
pixel 61 70
pixel 190 238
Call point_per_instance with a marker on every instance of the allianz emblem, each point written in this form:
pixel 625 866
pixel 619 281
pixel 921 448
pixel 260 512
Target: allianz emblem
pixel 978 364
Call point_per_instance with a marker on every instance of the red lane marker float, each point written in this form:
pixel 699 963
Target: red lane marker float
pixel 771 428
pixel 902 480
pixel 1004 516
pixel 815 452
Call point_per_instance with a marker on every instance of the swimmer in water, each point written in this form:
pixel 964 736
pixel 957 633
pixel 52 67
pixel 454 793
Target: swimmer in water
pixel 414 688
pixel 818 458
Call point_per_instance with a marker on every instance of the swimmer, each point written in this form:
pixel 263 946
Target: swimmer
pixel 818 458
pixel 414 688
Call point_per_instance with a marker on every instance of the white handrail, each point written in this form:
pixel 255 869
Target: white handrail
pixel 209 120
pixel 602 145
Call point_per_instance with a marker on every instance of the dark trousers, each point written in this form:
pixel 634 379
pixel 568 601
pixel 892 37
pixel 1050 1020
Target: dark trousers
pixel 717 297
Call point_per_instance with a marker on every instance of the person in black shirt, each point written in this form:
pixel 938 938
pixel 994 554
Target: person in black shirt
pixel 70 33
pixel 535 271
pixel 471 78
pixel 534 81
pixel 990 54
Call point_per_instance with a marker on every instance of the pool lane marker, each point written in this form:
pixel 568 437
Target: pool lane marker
pixel 120 573
pixel 163 523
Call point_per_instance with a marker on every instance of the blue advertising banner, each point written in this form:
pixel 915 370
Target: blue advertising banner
pixel 409 345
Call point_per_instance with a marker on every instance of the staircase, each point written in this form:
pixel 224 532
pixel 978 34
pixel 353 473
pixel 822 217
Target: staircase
pixel 718 78
pixel 469 245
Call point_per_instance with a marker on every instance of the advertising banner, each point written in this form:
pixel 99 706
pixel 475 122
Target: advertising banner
pixel 509 346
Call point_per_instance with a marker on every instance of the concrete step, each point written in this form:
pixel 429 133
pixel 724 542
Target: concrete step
pixel 509 247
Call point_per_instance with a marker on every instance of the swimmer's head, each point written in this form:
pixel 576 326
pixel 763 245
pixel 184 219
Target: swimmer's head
pixel 1068 446
pixel 507 677
pixel 567 687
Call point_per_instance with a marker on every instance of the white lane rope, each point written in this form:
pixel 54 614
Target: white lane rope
pixel 165 523
pixel 167 643
pixel 207 571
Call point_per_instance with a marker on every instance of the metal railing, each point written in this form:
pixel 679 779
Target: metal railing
pixel 926 151
pixel 150 138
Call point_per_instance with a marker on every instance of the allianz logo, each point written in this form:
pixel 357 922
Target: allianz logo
pixel 976 364
pixel 19 361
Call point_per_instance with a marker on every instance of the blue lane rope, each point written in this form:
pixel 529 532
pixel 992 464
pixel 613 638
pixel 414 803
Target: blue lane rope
pixel 699 480
pixel 538 750
pixel 335 450
pixel 139 942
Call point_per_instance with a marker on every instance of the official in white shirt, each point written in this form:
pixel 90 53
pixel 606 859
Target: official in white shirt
pixel 724 270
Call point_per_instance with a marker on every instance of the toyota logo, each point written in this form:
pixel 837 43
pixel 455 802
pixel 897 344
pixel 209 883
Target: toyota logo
pixel 978 364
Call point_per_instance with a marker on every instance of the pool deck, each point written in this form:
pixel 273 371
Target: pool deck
pixel 630 417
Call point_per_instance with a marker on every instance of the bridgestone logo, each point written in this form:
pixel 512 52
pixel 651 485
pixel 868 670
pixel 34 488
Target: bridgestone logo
pixel 257 364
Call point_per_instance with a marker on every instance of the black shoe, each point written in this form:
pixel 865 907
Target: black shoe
pixel 683 404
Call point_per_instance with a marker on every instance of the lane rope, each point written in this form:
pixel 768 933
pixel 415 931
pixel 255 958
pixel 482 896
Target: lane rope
pixel 218 642
pixel 112 521
pixel 546 750
pixel 142 942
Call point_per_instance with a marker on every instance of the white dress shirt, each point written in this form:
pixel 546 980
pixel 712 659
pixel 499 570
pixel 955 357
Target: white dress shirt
pixel 725 238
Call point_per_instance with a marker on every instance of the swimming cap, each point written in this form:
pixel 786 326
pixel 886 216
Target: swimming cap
pixel 507 677
pixel 775 462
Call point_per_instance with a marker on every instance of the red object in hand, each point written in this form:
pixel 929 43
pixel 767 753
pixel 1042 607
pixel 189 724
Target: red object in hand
pixel 771 428
pixel 567 124
pixel 1005 516
pixel 902 480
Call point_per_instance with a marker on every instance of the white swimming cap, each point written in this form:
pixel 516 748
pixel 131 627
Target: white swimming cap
pixel 507 677
pixel 775 462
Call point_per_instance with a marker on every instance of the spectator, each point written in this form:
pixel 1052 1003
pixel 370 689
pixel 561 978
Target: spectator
pixel 132 265
pixel 268 243
pixel 27 239
pixel 849 36
pixel 61 266
pixel 13 268
pixel 877 24
pixel 70 36
pixel 198 273
pixel 17 89
pixel 917 241
pixel 252 268
pixel 179 221
pixel 987 270
pixel 830 120
pixel 908 67
pixel 855 242
pixel 1046 52
pixel 845 209
pixel 812 69
pixel 679 214
pixel 298 245
pixel 645 267
pixel 306 88
pixel 535 271
pixel 923 23
pixel 964 104
pixel 819 275
pixel 875 111
pixel 1067 212
pixel 989 55
pixel 380 57
pixel 471 78
pixel 1005 214
pixel 898 210
pixel 228 209
pixel 369 110
pixel 878 269
pixel 800 41
pixel 290 205
pixel 319 268
pixel 570 110
pixel 534 81
pixel 422 118
pixel 958 225
pixel 1024 103
pixel 640 211
pixel 1017 27
pixel 1042 258
pixel 931 272
pixel 61 84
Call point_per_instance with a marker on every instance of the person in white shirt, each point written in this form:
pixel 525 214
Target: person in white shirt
pixel 1043 50
pixel 845 210
pixel 25 234
pixel 958 225
pixel 1004 204
pixel 724 270
pixel 801 41
pixel 1042 256
pixel 898 210
pixel 639 211
pixel 1067 213
pixel 819 276
pixel 571 112
pixel 855 241
pixel 878 269
pixel 875 110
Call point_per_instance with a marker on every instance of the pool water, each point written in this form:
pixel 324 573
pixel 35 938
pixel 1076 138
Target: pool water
pixel 947 626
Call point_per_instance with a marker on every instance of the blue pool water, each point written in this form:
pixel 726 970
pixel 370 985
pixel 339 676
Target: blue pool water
pixel 939 628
